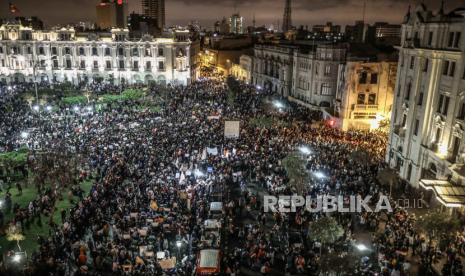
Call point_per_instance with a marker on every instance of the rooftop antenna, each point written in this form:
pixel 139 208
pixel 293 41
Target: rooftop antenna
pixel 441 11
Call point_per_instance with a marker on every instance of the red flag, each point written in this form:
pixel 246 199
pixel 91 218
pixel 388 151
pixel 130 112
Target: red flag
pixel 13 8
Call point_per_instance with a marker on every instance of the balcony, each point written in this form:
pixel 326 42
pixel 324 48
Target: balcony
pixel 135 69
pixel 368 107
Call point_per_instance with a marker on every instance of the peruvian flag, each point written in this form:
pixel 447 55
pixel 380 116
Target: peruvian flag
pixel 13 9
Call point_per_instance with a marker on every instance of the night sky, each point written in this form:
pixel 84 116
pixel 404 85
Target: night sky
pixel 305 12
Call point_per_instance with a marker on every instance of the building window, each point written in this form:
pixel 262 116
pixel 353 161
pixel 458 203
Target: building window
pixel 430 39
pixel 161 65
pixel 94 51
pixel 363 78
pixel 55 64
pixel 160 52
pixel 135 52
pixel 1 50
pixel 420 99
pixel 457 39
pixel 135 65
pixel 68 64
pixel 95 64
pixel 426 65
pixel 417 126
pixel 374 78
pixel 412 62
pixel 326 89
pixel 41 51
pixel 148 52
pixel 82 65
pixel 121 51
pixel 121 64
pixel 361 98
pixel 108 64
pixel 448 68
pixel 327 70
pixel 107 51
pixel 67 51
pixel 148 66
pixel 451 39
pixel 54 50
pixel 461 114
pixel 372 99
pixel 443 104
pixel 407 93
pixel 81 51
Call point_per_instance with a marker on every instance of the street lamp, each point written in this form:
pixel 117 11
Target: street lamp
pixel 278 104
pixel 305 150
pixel 76 108
pixel 16 258
pixel 24 135
pixel 361 247
pixel 319 175
pixel 178 244
pixel 36 107
pixel 48 108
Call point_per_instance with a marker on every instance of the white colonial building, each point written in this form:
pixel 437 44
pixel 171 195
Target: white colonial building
pixel 66 55
pixel 426 143
pixel 306 74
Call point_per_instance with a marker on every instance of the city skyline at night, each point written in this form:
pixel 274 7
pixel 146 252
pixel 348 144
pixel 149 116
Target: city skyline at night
pixel 207 12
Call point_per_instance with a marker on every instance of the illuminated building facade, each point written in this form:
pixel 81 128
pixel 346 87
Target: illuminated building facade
pixel 307 75
pixel 426 143
pixel 365 94
pixel 66 55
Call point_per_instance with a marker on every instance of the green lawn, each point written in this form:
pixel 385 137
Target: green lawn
pixel 36 229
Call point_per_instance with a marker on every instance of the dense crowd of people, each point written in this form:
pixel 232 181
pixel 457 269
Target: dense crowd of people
pixel 155 174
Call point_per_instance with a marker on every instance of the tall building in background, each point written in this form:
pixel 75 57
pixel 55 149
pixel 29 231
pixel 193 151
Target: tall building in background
pixel 155 9
pixel 112 14
pixel 236 24
pixel 287 18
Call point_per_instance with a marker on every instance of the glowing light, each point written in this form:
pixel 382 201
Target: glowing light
pixel 278 104
pixel 76 108
pixel 305 150
pixel 442 150
pixel 361 247
pixel 48 108
pixel 36 107
pixel 16 258
pixel 319 175
pixel 89 108
pixel 331 123
pixel 179 244
pixel 24 135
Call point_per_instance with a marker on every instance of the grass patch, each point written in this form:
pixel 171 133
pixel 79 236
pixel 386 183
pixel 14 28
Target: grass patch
pixel 29 193
pixel 14 158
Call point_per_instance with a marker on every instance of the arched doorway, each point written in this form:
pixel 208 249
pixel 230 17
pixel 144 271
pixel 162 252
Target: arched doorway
pixel 161 80
pixel 149 79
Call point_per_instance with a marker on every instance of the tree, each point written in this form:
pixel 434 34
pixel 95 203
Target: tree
pixel 296 172
pixel 325 230
pixel 437 224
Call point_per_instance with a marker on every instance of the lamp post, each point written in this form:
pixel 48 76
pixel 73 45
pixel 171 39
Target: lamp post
pixel 178 245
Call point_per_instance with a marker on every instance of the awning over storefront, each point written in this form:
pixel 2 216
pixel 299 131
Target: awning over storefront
pixel 449 194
